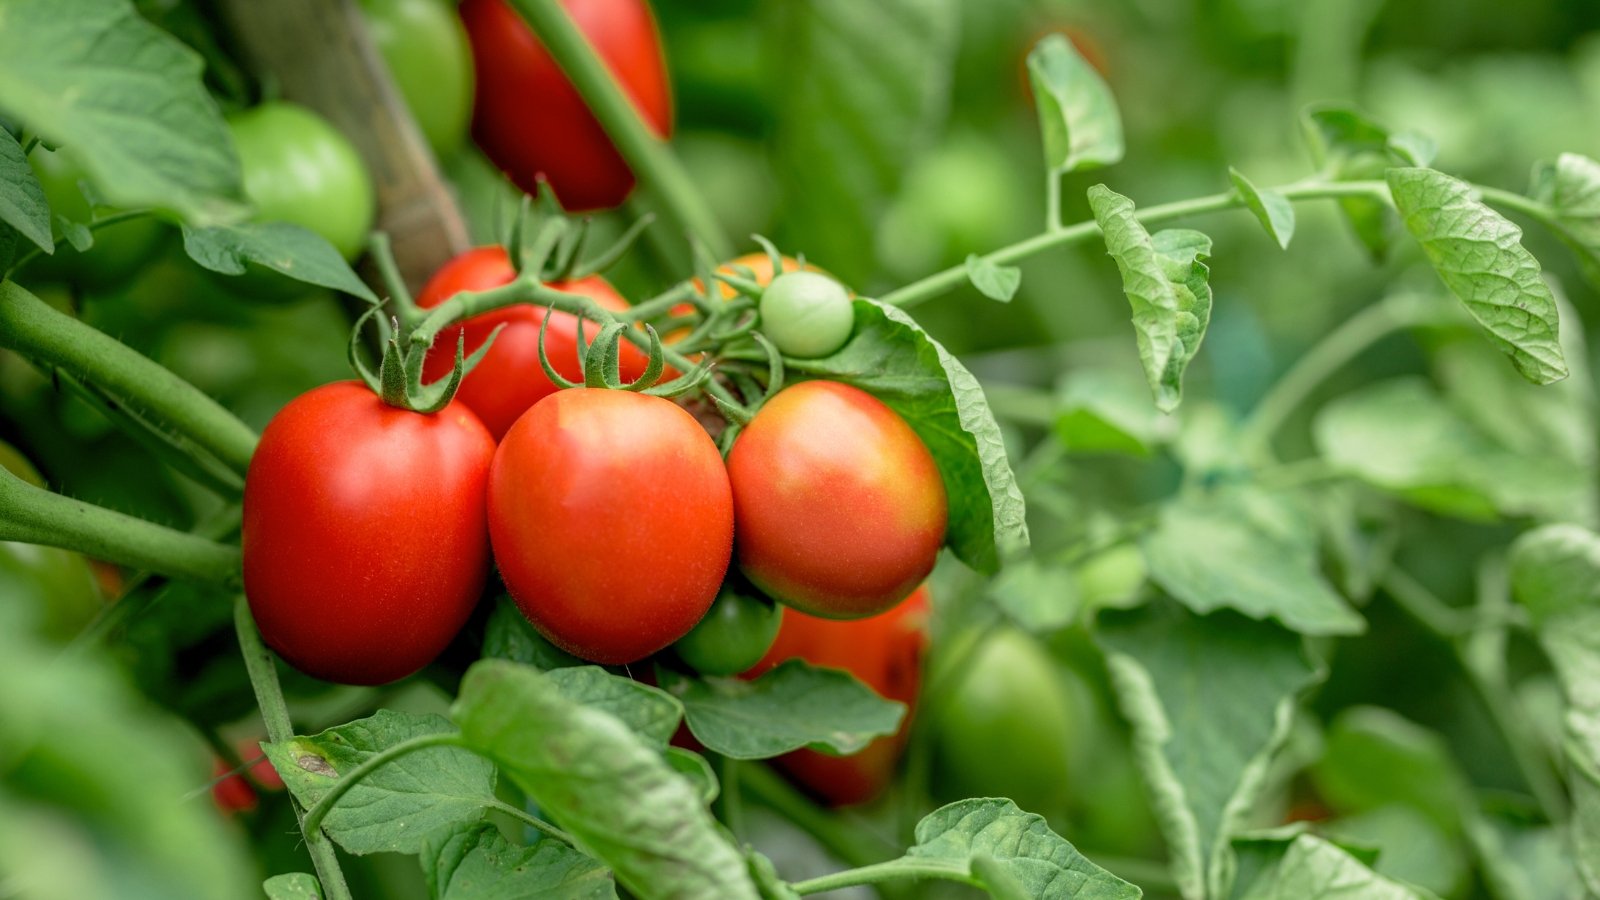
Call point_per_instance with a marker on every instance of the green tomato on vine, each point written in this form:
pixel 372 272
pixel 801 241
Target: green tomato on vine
pixel 806 314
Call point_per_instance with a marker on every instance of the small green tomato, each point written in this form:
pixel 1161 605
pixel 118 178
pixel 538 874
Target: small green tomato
pixel 806 314
pixel 737 631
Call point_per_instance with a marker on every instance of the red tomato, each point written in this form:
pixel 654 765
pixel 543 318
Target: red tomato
pixel 530 120
pixel 365 538
pixel 237 793
pixel 509 378
pixel 840 508
pixel 884 651
pixel 612 521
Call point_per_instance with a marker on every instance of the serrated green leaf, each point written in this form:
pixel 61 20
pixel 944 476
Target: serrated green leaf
pixel 792 706
pixel 1400 436
pixel 1216 553
pixel 860 87
pixel 1346 145
pixel 476 862
pixel 1210 700
pixel 289 250
pixel 589 773
pixel 398 806
pixel 293 886
pixel 1012 853
pixel 1479 255
pixel 652 713
pixel 127 98
pixel 1316 869
pixel 1570 186
pixel 1164 277
pixel 992 281
pixel 1271 209
pixel 22 202
pixel 1077 114
pixel 891 356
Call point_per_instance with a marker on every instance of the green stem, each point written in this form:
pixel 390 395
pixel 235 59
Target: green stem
pixel 527 818
pixel 383 256
pixel 893 870
pixel 662 303
pixel 729 803
pixel 51 339
pixel 1332 353
pixel 848 841
pixel 315 815
pixel 37 516
pixel 96 225
pixel 647 154
pixel 941 282
pixel 259 663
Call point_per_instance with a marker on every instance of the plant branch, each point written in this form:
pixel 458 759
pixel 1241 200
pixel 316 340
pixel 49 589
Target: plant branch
pixel 648 155
pixel 259 662
pixel 96 225
pixel 319 811
pixel 52 339
pixel 38 516
pixel 533 821
pixel 893 870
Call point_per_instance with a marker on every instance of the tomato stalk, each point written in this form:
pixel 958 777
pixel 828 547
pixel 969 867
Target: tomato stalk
pixel 649 156
pixel 54 340
pixel 262 668
pixel 1055 235
pixel 34 253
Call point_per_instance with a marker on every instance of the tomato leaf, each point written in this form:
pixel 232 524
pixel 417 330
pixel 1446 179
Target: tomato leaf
pixel 476 862
pixel 992 281
pixel 292 886
pixel 509 635
pixel 859 88
pixel 290 250
pixel 1348 146
pixel 398 806
pixel 652 713
pixel 1040 598
pixel 891 356
pixel 1313 868
pixel 1078 117
pixel 1479 255
pixel 697 769
pixel 1223 552
pixel 1400 436
pixel 1174 673
pixel 1164 276
pixel 127 98
pixel 1373 757
pixel 794 705
pixel 594 778
pixel 1271 209
pixel 22 202
pixel 1104 411
pixel 1570 186
pixel 1011 853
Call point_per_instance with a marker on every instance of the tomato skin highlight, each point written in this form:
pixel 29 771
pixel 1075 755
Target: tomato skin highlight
pixel 365 538
pixel 884 651
pixel 840 508
pixel 612 521
pixel 529 119
pixel 509 379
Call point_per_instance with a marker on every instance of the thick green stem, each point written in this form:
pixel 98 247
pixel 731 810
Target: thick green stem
pixel 51 339
pixel 259 663
pixel 941 282
pixel 893 870
pixel 37 516
pixel 648 155
pixel 315 815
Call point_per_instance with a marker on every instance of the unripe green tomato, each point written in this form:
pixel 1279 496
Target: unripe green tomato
pixel 119 250
pixel 806 314
pixel 1007 727
pixel 426 49
pixel 737 631
pixel 299 169
pixel 54 586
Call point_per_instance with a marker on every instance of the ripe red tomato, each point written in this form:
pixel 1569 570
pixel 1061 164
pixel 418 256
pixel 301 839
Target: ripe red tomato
pixel 840 508
pixel 509 378
pixel 530 120
pixel 884 651
pixel 612 521
pixel 365 538
pixel 238 793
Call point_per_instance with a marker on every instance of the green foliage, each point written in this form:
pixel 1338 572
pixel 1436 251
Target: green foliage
pixel 1078 118
pixel 279 246
pixel 1012 854
pixel 22 203
pixel 476 862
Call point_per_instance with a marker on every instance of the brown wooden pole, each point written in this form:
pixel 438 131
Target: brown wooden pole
pixel 321 55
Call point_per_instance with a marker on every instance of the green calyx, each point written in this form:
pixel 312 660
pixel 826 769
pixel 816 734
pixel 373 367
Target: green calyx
pixel 602 362
pixel 398 380
pixel 544 241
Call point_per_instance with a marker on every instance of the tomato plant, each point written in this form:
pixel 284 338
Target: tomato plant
pixel 532 122
pixel 840 508
pixel 119 250
pixel 426 50
pixel 299 169
pixel 735 634
pixel 509 380
pixel 609 494
pixel 365 539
